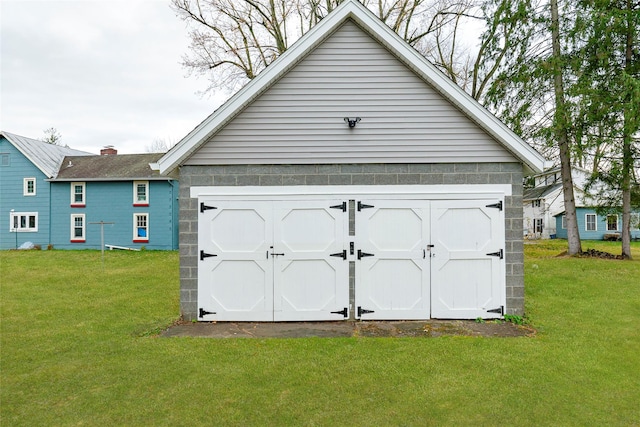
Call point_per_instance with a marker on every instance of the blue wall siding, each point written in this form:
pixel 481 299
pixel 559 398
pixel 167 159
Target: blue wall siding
pixel 113 202
pixel 12 197
pixel 601 225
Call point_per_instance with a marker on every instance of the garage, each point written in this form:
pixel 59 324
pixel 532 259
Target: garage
pixel 288 256
pixel 350 180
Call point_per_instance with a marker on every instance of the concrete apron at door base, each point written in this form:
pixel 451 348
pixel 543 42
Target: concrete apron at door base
pixel 344 252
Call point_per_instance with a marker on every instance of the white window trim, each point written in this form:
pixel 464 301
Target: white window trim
pixel 586 222
pixel 25 186
pixel 73 237
pixel 136 202
pixel 634 220
pixel 135 227
pixel 607 222
pixel 564 222
pixel 73 194
pixel 26 229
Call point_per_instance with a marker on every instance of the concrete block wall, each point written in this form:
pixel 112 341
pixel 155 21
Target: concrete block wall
pixel 351 174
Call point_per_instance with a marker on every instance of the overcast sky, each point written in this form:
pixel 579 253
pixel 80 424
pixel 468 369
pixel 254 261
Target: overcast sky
pixel 102 72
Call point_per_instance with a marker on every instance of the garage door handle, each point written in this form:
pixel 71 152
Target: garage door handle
pixel 342 254
pixel 363 254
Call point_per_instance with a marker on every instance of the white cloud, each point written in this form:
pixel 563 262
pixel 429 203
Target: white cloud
pixel 102 72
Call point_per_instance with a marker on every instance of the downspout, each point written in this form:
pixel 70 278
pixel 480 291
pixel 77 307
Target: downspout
pixel 173 218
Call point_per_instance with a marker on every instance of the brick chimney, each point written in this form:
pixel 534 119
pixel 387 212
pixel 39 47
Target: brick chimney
pixel 108 150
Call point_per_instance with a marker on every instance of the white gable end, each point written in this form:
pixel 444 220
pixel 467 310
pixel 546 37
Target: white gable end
pixel 350 64
pixel 300 118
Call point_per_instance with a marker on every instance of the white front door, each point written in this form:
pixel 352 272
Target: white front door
pixel 392 261
pixel 468 266
pixel 273 260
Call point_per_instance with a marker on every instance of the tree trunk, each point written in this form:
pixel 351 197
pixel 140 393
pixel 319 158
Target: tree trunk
pixel 627 130
pixel 562 135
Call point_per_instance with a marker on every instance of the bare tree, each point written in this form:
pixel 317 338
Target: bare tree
pixel 159 146
pixel 233 40
pixel 52 136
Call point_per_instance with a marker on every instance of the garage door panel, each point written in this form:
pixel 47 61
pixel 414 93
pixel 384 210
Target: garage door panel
pixel 309 282
pixel 241 286
pixel 468 271
pixel 309 229
pixel 465 287
pixel 238 230
pixel 393 284
pixel 395 229
pixel 235 278
pixel 392 281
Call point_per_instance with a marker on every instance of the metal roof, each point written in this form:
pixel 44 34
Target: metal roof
pixel 46 157
pixel 112 167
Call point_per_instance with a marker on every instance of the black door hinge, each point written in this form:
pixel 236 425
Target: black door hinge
pixel 363 206
pixel 344 312
pixel 499 253
pixel 363 254
pixel 204 312
pixel 496 205
pixel 342 254
pixel 342 206
pixel 204 255
pixel 204 207
pixel 499 310
pixel 362 311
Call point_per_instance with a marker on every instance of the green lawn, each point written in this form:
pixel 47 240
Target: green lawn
pixel 78 347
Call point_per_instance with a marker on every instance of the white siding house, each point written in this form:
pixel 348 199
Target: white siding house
pixel 545 199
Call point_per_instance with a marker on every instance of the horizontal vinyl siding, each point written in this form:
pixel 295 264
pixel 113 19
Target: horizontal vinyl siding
pixel 300 118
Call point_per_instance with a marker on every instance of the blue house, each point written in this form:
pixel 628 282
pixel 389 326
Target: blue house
pixel 26 166
pixel 593 226
pixel 70 199
pixel 115 198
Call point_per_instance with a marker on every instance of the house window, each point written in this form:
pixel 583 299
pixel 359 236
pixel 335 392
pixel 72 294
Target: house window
pixel 564 222
pixel 29 187
pixel 78 190
pixel 77 228
pixel 535 204
pixel 635 221
pixel 140 193
pixel 5 159
pixel 140 227
pixel 538 225
pixel 23 222
pixel 590 222
pixel 612 222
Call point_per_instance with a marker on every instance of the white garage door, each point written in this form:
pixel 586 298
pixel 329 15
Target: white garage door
pixel 468 268
pixel 286 258
pixel 272 260
pixel 392 267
